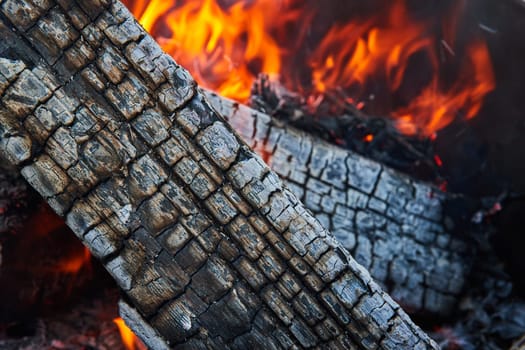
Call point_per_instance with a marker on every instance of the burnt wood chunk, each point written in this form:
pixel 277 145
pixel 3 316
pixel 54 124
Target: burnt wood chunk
pixel 141 195
pixel 392 225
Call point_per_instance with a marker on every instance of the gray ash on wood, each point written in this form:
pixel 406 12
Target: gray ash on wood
pixel 338 121
pixel 490 312
pixel 251 265
pixel 415 239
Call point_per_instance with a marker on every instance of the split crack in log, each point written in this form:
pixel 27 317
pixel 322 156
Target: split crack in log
pixel 174 226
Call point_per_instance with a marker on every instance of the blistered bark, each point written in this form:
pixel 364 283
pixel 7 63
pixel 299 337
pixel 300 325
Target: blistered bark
pixel 394 226
pixel 208 246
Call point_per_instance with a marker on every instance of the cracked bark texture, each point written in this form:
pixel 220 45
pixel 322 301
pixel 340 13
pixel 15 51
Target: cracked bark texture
pixel 392 225
pixel 209 248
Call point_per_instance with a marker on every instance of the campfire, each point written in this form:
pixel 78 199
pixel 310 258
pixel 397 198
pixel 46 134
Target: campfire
pixel 372 56
pixel 349 105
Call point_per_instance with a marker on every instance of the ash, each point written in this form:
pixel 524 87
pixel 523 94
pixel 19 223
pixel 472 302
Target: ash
pixel 491 314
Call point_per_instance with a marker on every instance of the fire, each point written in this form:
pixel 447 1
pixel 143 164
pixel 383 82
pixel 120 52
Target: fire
pixel 225 47
pixel 44 221
pixel 434 109
pixel 47 225
pixel 73 264
pixel 130 340
pixel 354 52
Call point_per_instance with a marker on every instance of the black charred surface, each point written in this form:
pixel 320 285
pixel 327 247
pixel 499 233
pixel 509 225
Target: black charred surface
pixel 339 122
pixel 14 198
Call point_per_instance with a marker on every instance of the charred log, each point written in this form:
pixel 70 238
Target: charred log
pixel 202 237
pixel 396 227
pixel 519 344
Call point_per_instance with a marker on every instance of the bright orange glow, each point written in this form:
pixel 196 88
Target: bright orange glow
pixel 46 224
pixel 217 45
pixel 225 47
pixel 130 340
pixel 434 109
pixel 73 264
pixel 382 51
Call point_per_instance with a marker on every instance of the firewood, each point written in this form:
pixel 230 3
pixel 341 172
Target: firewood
pixel 396 227
pixel 440 248
pixel 333 118
pixel 205 241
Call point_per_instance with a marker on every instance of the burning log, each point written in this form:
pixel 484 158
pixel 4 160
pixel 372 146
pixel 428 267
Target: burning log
pixel 333 118
pixel 206 243
pixel 396 227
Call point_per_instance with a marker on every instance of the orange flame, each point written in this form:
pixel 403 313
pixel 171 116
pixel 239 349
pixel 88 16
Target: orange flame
pixel 354 52
pixel 45 223
pixel 225 47
pixel 219 46
pixel 364 51
pixel 72 265
pixel 130 340
pixel 433 109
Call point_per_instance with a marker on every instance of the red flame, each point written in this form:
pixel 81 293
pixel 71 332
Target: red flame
pixel 434 109
pixel 438 161
pixel 130 340
pixel 225 47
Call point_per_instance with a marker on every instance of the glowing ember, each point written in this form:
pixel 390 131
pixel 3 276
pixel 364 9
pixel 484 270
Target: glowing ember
pixel 130 340
pixel 47 225
pixel 75 263
pixel 225 47
pixel 43 222
pixel 437 160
